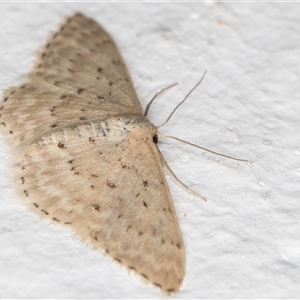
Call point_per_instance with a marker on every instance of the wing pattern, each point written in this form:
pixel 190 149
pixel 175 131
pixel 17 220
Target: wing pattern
pixel 84 155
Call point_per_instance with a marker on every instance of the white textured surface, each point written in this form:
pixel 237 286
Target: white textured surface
pixel 245 241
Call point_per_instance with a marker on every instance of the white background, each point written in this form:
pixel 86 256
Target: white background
pixel 244 242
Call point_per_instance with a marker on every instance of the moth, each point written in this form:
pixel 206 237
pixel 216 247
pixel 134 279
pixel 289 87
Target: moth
pixel 85 156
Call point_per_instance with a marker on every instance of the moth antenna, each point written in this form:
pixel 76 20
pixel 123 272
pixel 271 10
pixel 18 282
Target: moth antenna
pixel 177 179
pixel 158 93
pixel 205 149
pixel 172 113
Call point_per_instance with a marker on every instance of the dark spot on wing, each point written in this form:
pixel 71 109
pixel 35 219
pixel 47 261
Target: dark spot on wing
pixel 144 275
pixel 96 207
pixel 110 184
pixel 44 211
pixel 61 145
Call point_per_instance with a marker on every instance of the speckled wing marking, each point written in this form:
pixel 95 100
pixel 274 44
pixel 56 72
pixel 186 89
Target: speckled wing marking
pixel 79 75
pixel 84 155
